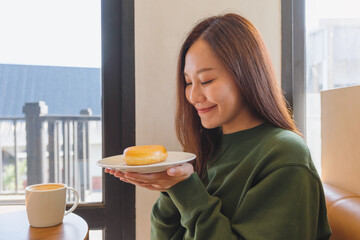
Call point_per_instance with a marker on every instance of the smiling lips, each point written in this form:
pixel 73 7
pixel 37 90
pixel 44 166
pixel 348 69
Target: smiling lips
pixel 204 110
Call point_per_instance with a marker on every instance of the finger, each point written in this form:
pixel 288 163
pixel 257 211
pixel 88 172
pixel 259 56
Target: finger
pixel 135 182
pixel 185 169
pixel 147 185
pixel 107 170
pixel 119 174
pixel 149 177
pixel 124 180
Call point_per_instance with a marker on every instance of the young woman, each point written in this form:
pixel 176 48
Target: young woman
pixel 253 177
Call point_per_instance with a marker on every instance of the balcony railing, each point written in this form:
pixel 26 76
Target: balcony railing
pixel 12 124
pixel 57 149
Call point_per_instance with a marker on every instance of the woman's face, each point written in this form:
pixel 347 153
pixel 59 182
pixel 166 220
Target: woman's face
pixel 212 90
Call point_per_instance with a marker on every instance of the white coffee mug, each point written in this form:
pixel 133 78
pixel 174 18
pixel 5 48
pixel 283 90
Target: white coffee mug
pixel 45 204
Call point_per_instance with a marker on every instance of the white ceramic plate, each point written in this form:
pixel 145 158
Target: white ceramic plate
pixel 173 159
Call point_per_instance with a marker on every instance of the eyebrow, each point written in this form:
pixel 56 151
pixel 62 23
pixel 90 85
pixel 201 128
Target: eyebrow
pixel 201 70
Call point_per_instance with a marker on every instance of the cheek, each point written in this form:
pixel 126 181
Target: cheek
pixel 229 98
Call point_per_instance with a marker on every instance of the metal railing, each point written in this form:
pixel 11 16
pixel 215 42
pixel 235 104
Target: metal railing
pixel 57 148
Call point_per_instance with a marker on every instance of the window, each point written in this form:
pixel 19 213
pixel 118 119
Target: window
pixel 51 90
pixel 114 210
pixel 332 58
pixel 329 59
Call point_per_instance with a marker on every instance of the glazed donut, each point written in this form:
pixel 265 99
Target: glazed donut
pixel 143 155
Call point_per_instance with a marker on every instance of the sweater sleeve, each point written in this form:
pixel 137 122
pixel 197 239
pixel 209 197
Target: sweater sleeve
pixel 283 205
pixel 165 219
pixel 200 212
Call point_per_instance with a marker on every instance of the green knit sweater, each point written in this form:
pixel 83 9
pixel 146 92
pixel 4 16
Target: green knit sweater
pixel 261 184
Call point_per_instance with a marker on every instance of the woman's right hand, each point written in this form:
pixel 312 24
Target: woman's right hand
pixel 160 181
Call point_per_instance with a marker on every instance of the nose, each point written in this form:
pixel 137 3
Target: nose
pixel 195 94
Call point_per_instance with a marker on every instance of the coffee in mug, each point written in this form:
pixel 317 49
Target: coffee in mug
pixel 45 204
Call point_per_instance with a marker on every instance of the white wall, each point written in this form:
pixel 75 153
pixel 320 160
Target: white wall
pixel 340 130
pixel 160 28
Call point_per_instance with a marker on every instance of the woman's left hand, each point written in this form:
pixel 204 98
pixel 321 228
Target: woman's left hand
pixel 160 181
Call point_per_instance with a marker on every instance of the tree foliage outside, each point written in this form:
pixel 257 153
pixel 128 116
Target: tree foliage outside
pixel 9 176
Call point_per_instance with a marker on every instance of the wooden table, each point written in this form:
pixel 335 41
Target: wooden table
pixel 15 225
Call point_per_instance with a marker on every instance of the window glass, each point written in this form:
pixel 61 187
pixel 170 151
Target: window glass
pixel 50 96
pixel 332 58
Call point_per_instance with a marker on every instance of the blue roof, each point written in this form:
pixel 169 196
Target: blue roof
pixel 66 90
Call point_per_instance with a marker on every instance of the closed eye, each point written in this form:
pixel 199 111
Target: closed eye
pixel 207 82
pixel 188 84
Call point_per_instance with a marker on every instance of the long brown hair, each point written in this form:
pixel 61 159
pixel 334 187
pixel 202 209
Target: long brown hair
pixel 239 45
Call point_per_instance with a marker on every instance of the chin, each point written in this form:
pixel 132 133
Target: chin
pixel 209 125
